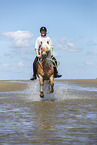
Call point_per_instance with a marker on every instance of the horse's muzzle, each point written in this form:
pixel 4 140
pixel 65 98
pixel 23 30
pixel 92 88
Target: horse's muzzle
pixel 44 56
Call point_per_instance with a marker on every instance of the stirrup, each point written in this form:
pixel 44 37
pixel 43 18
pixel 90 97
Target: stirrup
pixel 33 78
pixel 57 76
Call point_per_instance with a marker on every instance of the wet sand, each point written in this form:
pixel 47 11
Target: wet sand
pixel 17 86
pixel 12 86
pixel 67 116
pixel 86 82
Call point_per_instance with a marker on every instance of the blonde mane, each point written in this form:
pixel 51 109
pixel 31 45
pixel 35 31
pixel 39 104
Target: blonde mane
pixel 45 46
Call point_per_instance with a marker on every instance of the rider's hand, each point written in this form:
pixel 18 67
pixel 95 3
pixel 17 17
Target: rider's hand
pixel 38 55
pixel 52 55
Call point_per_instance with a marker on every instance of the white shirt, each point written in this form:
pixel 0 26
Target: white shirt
pixel 42 39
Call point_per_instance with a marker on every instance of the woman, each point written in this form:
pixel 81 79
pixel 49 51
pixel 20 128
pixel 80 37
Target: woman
pixel 39 40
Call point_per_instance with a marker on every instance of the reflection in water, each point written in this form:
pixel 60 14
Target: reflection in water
pixel 69 119
pixel 46 126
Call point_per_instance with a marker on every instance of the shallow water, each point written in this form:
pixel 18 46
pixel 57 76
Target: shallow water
pixel 68 116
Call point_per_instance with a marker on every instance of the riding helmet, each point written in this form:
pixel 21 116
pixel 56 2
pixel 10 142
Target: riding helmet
pixel 43 28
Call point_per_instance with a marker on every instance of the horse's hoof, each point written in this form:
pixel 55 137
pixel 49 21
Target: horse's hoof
pixel 52 91
pixel 41 95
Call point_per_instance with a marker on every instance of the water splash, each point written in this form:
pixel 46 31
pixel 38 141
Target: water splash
pixel 62 91
pixel 33 92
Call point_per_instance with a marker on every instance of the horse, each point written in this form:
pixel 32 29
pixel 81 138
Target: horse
pixel 45 70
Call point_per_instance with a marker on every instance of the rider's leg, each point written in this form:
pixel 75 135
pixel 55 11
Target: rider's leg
pixel 56 75
pixel 34 69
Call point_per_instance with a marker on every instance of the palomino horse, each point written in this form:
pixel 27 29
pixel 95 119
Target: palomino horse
pixel 45 70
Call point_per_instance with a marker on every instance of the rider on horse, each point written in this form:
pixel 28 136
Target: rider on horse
pixel 39 41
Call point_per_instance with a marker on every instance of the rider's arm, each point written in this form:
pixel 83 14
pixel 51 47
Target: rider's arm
pixel 37 47
pixel 37 53
pixel 51 52
pixel 51 45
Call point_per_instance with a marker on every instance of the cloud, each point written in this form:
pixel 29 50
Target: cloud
pixel 89 63
pixel 62 40
pixel 92 53
pixel 92 42
pixel 19 38
pixel 65 45
pixel 17 67
pixel 20 64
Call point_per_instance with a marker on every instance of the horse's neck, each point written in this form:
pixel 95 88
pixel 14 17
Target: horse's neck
pixel 49 55
pixel 47 63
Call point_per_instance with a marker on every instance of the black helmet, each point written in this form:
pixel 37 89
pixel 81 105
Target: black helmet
pixel 43 28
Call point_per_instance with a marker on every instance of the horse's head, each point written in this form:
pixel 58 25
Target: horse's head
pixel 45 49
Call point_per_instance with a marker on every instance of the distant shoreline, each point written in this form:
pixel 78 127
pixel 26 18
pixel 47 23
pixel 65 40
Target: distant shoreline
pixel 17 85
pixel 54 79
pixel 86 82
pixel 12 86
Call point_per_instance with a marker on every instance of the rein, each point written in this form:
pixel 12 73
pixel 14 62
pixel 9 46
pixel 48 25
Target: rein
pixel 53 61
pixel 39 62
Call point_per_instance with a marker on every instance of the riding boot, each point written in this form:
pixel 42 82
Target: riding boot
pixel 34 69
pixel 56 75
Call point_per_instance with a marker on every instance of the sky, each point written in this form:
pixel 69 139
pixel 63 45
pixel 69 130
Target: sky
pixel 71 25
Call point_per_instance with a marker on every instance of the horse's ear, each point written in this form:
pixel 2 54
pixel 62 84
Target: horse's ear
pixel 47 42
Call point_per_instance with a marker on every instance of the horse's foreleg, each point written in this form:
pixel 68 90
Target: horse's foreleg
pixel 52 84
pixel 41 85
